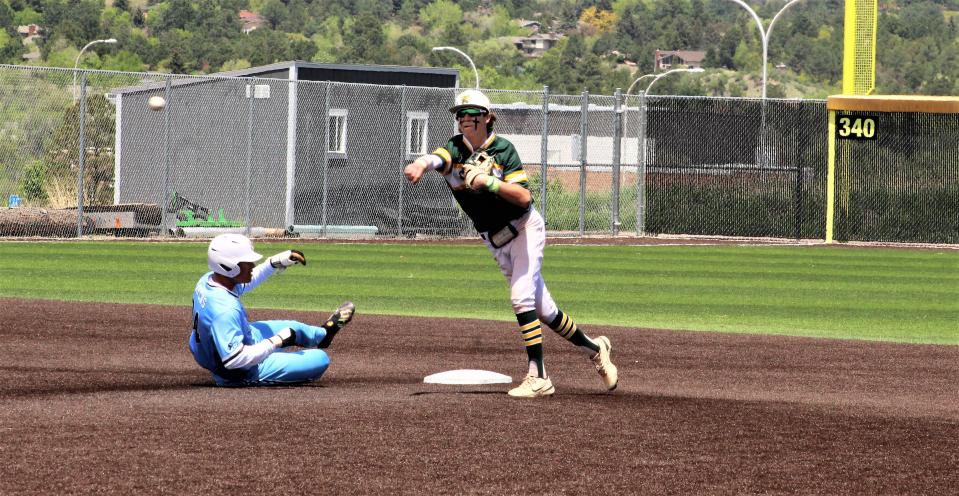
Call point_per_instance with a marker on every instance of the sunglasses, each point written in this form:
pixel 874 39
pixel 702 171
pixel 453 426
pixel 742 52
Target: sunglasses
pixel 471 112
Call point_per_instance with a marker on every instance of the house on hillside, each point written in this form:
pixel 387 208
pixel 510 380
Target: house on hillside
pixel 532 26
pixel 666 59
pixel 536 44
pixel 251 20
pixel 29 30
pixel 30 33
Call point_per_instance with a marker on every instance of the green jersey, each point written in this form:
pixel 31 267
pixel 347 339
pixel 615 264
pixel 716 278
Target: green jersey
pixel 488 211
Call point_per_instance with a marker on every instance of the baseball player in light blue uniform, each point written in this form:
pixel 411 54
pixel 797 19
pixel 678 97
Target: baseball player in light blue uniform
pixel 242 353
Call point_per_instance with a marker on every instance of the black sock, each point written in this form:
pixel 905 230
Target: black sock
pixel 564 326
pixel 530 326
pixel 331 330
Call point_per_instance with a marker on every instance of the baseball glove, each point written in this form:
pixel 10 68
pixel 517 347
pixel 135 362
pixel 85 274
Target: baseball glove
pixel 479 164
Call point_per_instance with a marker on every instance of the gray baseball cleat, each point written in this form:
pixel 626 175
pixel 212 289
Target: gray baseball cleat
pixel 342 316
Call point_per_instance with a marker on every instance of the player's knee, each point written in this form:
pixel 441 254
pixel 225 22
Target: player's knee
pixel 319 363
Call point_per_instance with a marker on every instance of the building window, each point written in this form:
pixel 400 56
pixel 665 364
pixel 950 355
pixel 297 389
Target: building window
pixel 417 129
pixel 337 143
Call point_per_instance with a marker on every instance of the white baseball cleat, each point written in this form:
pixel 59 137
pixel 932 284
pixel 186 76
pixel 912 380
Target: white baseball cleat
pixel 603 364
pixel 533 387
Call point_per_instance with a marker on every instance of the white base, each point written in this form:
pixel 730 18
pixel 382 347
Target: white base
pixel 467 376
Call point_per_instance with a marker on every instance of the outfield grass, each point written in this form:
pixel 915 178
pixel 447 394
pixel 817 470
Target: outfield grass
pixel 862 293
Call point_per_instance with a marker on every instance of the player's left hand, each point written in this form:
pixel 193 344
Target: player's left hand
pixel 286 337
pixel 287 258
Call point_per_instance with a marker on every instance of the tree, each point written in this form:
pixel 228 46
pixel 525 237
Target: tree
pixel 177 15
pixel 441 17
pixel 62 157
pixel 275 12
pixel 265 46
pixel 364 43
pixel 594 21
pixel 302 48
pixel 122 61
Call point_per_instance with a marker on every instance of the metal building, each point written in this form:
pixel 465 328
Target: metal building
pixel 288 144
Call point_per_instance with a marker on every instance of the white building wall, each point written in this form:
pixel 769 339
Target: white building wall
pixel 565 150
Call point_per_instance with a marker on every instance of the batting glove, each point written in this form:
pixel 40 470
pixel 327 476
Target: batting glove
pixel 286 337
pixel 287 258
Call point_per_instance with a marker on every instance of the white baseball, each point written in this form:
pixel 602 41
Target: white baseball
pixel 156 102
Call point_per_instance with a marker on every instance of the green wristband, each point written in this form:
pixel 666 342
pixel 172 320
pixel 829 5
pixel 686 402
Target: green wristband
pixel 493 184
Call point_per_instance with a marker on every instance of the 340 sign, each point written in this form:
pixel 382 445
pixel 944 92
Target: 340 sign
pixel 856 127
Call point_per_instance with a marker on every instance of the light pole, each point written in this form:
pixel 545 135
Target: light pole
pixel 641 143
pixel 657 78
pixel 467 57
pixel 764 33
pixel 630 89
pixel 77 63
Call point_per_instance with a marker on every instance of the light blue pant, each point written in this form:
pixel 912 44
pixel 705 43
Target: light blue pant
pixel 286 367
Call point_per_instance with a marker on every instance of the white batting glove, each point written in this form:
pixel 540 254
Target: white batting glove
pixel 287 258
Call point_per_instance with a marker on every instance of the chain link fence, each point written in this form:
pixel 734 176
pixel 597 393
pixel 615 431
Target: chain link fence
pixel 274 157
pixel 902 181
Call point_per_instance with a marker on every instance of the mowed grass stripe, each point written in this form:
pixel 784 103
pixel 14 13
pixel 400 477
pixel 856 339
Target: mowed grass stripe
pixel 865 293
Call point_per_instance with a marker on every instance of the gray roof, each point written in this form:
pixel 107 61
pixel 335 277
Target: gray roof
pixel 180 80
pixel 252 71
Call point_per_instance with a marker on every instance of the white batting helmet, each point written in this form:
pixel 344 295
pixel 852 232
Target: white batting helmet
pixel 227 251
pixel 470 99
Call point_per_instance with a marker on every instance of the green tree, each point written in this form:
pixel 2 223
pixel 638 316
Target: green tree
pixel 266 46
pixel 174 14
pixel 275 12
pixel 364 43
pixel 33 181
pixel 301 48
pixel 123 61
pixel 441 18
pixel 62 156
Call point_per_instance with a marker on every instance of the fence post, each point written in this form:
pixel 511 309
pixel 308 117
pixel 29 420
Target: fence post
pixel 617 144
pixel 641 168
pixel 404 132
pixel 251 96
pixel 794 158
pixel 326 155
pixel 544 154
pixel 82 115
pixel 167 223
pixel 292 134
pixel 583 130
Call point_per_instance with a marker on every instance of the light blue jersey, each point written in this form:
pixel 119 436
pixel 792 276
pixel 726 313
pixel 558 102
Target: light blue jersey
pixel 220 327
pixel 221 330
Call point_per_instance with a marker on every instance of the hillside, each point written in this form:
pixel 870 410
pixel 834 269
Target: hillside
pixel 595 45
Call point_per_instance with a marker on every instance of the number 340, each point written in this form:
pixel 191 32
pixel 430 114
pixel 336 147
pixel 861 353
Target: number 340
pixel 857 127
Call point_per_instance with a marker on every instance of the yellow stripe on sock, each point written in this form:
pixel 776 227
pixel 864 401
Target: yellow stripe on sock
pixel 566 327
pixel 535 341
pixel 526 327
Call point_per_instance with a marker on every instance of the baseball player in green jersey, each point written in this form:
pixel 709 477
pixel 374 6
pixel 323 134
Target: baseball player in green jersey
pixel 487 178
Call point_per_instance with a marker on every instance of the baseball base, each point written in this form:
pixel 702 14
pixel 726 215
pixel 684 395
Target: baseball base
pixel 467 376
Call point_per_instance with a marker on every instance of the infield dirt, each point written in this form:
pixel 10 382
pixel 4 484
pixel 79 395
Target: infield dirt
pixel 106 399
